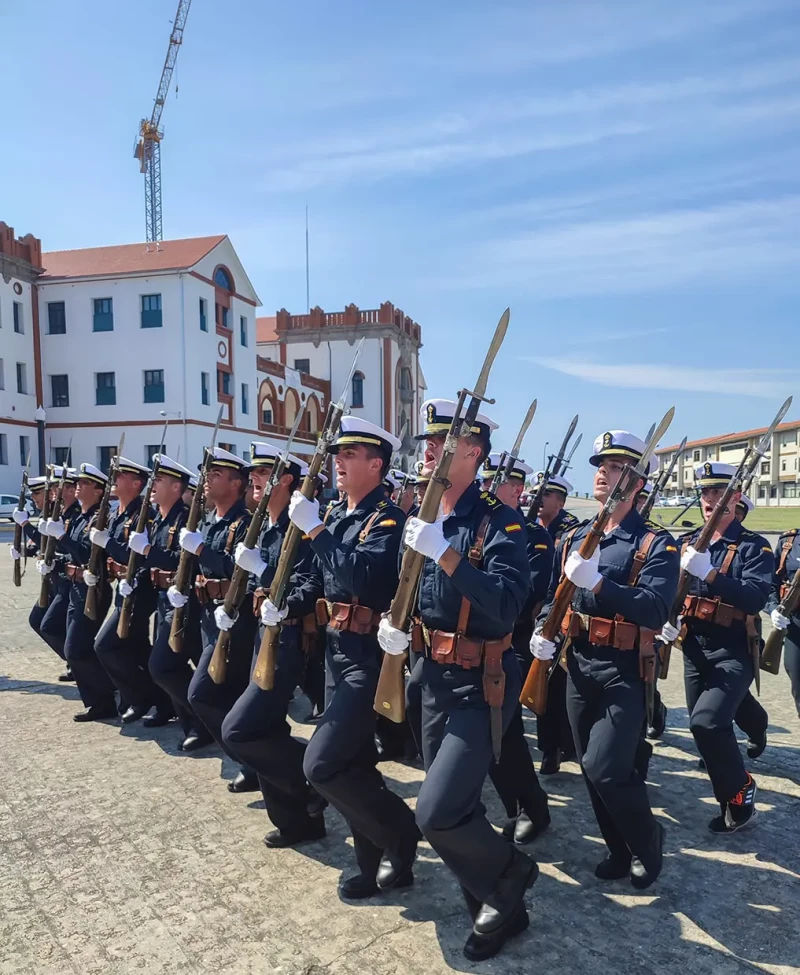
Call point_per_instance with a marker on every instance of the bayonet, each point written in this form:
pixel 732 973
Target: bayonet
pixel 560 455
pixel 507 460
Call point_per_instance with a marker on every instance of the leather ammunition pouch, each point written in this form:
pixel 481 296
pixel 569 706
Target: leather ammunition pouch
pixel 455 648
pixel 74 572
pixel 710 610
pixel 116 570
pixel 347 616
pixel 162 579
pixel 601 632
pixel 211 590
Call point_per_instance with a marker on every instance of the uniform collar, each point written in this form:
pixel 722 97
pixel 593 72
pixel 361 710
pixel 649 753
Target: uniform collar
pixel 237 509
pixel 733 531
pixel 369 501
pixel 467 501
pixel 628 526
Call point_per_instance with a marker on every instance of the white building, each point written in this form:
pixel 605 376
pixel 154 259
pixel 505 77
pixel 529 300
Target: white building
pixel 133 332
pixel 20 265
pixel 388 387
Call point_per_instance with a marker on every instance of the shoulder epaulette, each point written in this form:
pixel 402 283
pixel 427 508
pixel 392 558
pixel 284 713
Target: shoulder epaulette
pixel 491 502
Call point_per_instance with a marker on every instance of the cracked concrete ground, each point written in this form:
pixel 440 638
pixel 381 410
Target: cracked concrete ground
pixel 120 855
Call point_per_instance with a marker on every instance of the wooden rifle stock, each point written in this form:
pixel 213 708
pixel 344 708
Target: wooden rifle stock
pixel 50 545
pixel 18 539
pixel 134 559
pixel 773 648
pixel 186 562
pixel 97 554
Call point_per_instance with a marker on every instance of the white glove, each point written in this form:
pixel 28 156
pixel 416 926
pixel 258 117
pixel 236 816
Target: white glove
pixel 56 528
pixel 138 542
pixel 670 633
pixel 89 578
pixel 779 621
pixel 582 572
pixel 392 640
pixel 176 599
pixel 99 537
pixel 249 559
pixel 697 564
pixel 20 517
pixel 304 513
pixel 125 588
pixel 426 539
pixel 191 541
pixel 542 649
pixel 271 615
pixel 15 554
pixel 223 621
pixel 43 568
pixel 43 523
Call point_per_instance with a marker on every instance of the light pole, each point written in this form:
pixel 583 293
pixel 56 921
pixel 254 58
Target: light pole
pixel 544 455
pixel 41 417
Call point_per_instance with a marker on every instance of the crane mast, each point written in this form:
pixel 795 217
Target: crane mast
pixel 148 146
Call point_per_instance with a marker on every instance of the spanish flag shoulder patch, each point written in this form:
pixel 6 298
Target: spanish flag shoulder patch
pixel 514 527
pixel 542 547
pixel 670 548
pixel 766 548
pixel 387 523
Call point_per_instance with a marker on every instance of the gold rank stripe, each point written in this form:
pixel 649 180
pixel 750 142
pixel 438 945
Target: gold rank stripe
pixel 434 428
pixel 355 438
pixel 670 548
pixel 543 547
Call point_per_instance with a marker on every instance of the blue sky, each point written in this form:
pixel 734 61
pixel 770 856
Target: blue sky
pixel 625 176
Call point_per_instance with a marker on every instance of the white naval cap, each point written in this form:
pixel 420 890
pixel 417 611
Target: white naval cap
pixel 437 415
pixel 263 454
pixel 713 474
pixel 617 443
pixel 88 472
pixel 519 471
pixel 554 483
pixel 224 458
pixel 392 481
pixel 166 465
pixel 70 477
pixel 125 466
pixel 746 503
pixel 322 476
pixel 37 483
pixel 648 488
pixel 354 431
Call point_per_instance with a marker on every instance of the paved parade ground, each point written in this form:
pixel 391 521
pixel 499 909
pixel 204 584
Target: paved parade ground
pixel 120 855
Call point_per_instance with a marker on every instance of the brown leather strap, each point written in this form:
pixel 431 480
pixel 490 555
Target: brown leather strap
pixel 566 541
pixel 474 557
pixel 785 550
pixel 231 533
pixel 368 526
pixel 640 558
pixel 171 537
pixel 161 578
pixel 728 560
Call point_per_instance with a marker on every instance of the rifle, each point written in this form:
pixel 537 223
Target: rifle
pixel 661 482
pixel 748 464
pixel 552 469
pixel 126 610
pixel 237 590
pixel 264 670
pixel 507 460
pixel 101 521
pixel 50 545
pixel 390 693
pixel 18 539
pixel 185 569
pixel 534 692
pixel 47 506
pixel 773 648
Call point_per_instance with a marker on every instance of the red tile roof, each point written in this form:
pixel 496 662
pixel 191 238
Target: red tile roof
pixel 168 255
pixel 266 329
pixel 728 437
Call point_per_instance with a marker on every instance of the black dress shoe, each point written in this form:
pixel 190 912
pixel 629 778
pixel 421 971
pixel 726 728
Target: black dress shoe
pixel 316 803
pixel 612 869
pixel 67 677
pixel 644 872
pixel 658 727
pixel 244 782
pixel 504 902
pixel 133 714
pixel 527 830
pixel 551 762
pixel 508 830
pixel 482 946
pixel 194 741
pixel 397 869
pixel 312 829
pixel 756 746
pixel 97 712
pixel 157 720
pixel 358 887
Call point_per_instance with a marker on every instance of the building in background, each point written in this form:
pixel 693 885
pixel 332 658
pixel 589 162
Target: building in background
pixel 777 480
pixel 388 387
pixel 20 378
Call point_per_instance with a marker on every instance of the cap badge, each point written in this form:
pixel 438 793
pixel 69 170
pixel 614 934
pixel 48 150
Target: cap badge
pixel 608 440
pixel 707 470
pixel 431 413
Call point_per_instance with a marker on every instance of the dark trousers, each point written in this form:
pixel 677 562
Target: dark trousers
pixel 716 680
pixel 552 727
pixel 125 661
pixel 514 776
pixel 457 751
pixel 93 682
pixel 340 760
pixel 312 677
pixel 51 622
pixel 414 702
pixel 211 702
pixel 606 708
pixel 751 717
pixel 256 732
pixel 171 671
pixel 791 660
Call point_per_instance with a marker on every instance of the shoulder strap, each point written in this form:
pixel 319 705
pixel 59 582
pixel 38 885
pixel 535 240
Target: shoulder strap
pixel 231 533
pixel 788 542
pixel 728 560
pixel 369 524
pixel 171 533
pixel 474 557
pixel 566 541
pixel 641 557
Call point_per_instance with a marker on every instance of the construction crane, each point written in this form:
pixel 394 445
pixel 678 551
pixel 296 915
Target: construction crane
pixel 148 146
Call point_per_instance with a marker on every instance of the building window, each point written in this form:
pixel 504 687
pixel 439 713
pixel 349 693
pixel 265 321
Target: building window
pixel 154 385
pixel 56 318
pixel 222 280
pixel 696 455
pixel 104 456
pixel 302 365
pixel 151 311
pixel 150 451
pixel 762 491
pixel 203 315
pixel 357 399
pixel 226 317
pixel 22 379
pixel 105 391
pixel 231 447
pixel 266 416
pixel 727 447
pixel 3 449
pixel 19 325
pixel 204 397
pixel 59 387
pixel 62 455
pixel 24 450
pixel 765 467
pixel 791 490
pixel 245 399
pixel 674 476
pixel 773 491
pixel 783 466
pixel 789 438
pixel 103 315
pixel 243 330
pixel 224 382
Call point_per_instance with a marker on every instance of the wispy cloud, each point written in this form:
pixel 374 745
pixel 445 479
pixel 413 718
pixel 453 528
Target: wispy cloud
pixel 766 383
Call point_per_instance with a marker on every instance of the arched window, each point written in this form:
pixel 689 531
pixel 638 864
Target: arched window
pixel 291 406
pixel 357 399
pixel 222 279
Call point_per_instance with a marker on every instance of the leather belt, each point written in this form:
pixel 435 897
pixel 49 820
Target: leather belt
pixel 116 570
pixel 74 572
pixel 347 616
pixel 211 590
pixel 162 579
pixel 259 595
pixel 455 648
pixel 601 632
pixel 709 610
